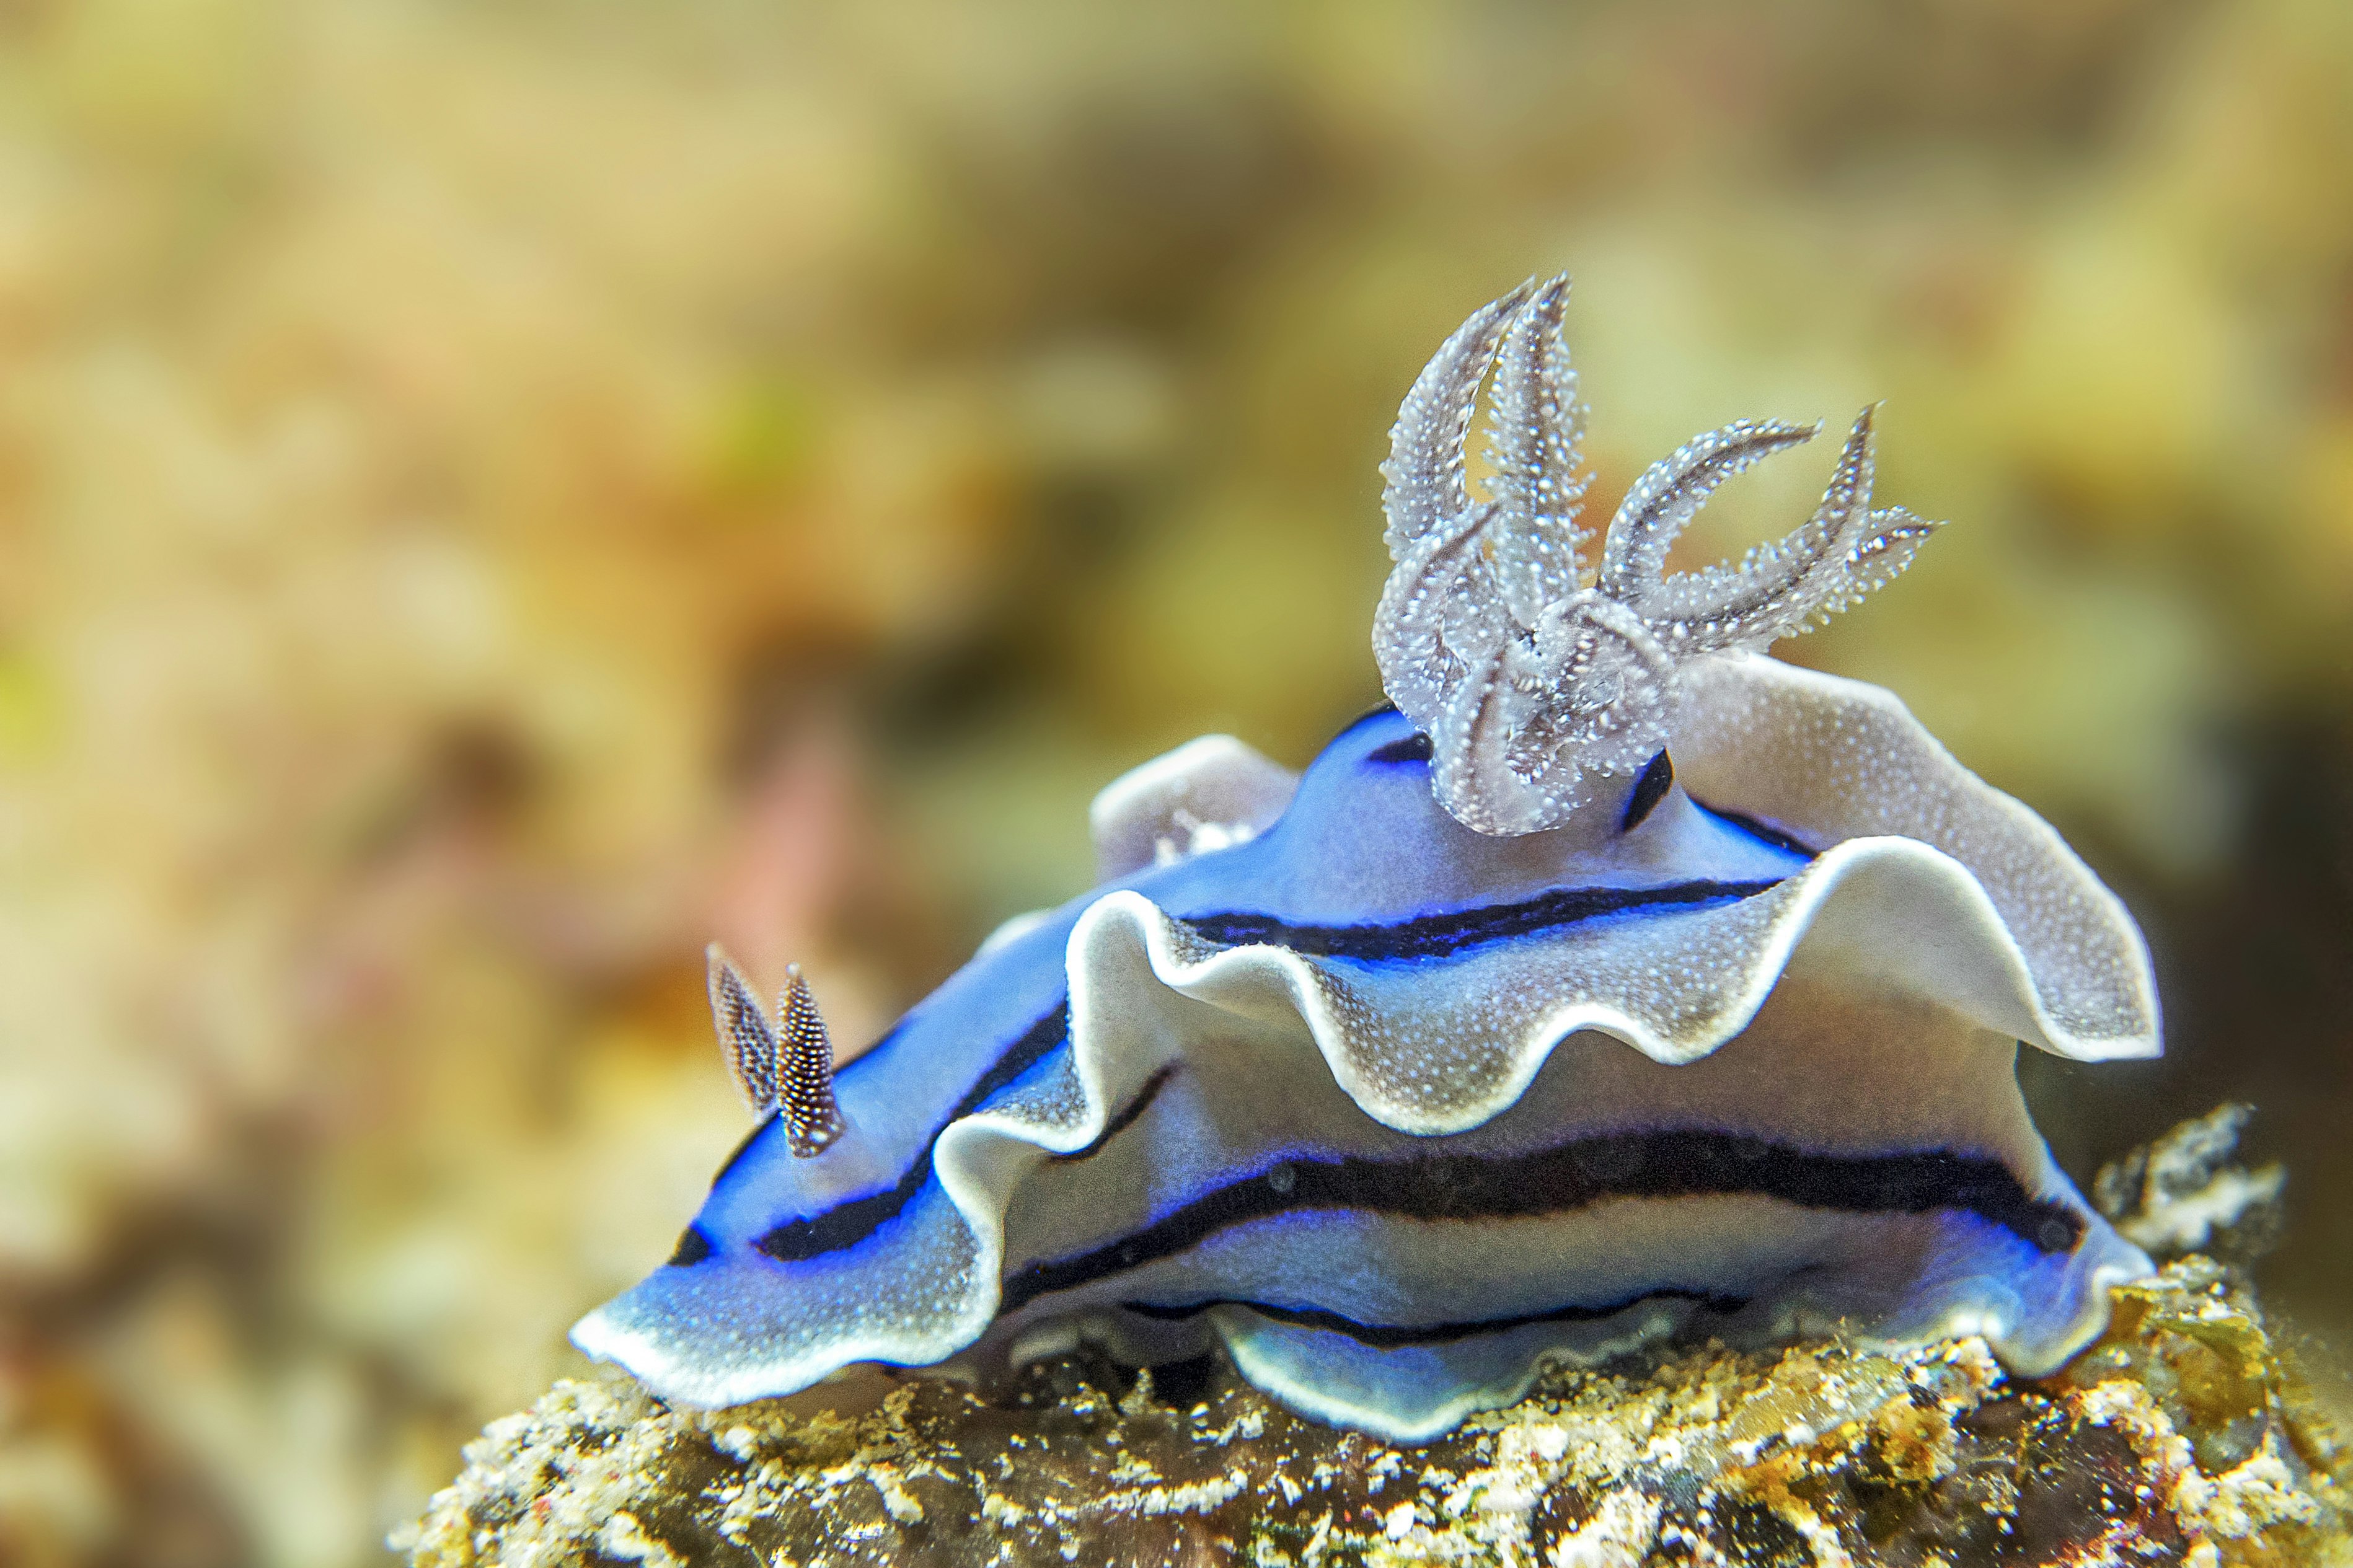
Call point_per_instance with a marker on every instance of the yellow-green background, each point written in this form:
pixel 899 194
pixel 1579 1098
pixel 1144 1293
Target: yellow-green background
pixel 493 495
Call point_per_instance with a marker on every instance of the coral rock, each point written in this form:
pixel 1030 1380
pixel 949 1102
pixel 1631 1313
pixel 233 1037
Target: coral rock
pixel 2178 1437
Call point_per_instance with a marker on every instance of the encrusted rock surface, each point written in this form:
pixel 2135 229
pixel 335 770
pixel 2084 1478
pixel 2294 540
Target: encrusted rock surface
pixel 2179 1438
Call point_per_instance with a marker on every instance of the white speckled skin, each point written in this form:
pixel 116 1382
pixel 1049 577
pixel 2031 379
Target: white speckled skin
pixel 1869 770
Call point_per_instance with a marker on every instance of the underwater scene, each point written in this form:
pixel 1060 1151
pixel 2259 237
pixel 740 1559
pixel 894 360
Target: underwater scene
pixel 1400 784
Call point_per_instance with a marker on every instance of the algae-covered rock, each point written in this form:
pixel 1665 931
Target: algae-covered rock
pixel 2178 1437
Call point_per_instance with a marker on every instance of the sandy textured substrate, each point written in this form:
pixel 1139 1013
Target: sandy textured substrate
pixel 2180 1438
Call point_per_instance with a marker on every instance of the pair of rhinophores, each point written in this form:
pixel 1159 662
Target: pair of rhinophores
pixel 1618 983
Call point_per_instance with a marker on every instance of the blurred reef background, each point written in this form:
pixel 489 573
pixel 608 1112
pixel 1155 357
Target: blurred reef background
pixel 492 496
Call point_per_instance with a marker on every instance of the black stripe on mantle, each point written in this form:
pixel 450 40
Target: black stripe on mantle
pixel 1441 935
pixel 1423 936
pixel 1391 1336
pixel 1434 936
pixel 1570 1176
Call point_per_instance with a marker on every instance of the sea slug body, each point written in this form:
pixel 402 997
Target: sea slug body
pixel 1619 982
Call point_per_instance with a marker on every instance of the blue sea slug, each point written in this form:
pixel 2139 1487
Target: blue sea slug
pixel 1618 982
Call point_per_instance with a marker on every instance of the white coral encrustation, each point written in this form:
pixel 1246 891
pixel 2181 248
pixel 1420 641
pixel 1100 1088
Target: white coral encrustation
pixel 1538 689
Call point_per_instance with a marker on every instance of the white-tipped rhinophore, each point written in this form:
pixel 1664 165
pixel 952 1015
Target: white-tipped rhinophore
pixel 786 1067
pixel 1534 685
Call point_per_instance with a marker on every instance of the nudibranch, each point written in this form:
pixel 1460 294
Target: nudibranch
pixel 1618 982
